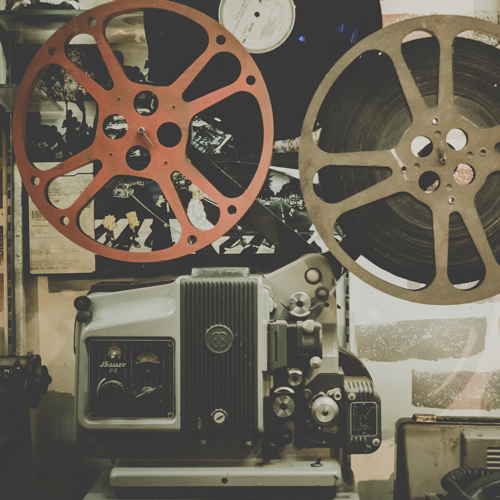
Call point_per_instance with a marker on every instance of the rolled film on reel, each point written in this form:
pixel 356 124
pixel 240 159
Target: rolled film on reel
pixel 141 133
pixel 408 160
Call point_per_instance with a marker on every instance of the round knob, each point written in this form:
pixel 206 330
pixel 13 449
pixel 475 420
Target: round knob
pixel 313 276
pixel 283 406
pixel 82 303
pixel 83 316
pixel 300 304
pixel 324 411
pixel 111 392
pixel 219 417
pixel 315 362
pixel 294 377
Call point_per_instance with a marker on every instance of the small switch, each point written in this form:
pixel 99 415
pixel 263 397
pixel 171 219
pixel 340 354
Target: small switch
pixel 114 353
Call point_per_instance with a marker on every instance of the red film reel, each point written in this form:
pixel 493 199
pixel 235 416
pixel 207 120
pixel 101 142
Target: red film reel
pixel 172 111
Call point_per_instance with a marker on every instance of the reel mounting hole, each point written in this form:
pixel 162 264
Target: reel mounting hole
pixel 115 127
pixel 146 103
pixel 169 134
pixel 497 148
pixel 192 239
pixel 429 182
pixel 65 220
pixel 231 210
pixel 421 146
pixel 221 39
pixel 464 174
pixel 457 139
pixel 138 158
pixel 35 181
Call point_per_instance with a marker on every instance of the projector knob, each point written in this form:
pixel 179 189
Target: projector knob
pixel 82 303
pixel 283 406
pixel 324 411
pixel 112 392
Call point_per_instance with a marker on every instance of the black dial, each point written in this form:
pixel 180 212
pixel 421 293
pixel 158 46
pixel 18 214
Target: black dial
pixel 112 392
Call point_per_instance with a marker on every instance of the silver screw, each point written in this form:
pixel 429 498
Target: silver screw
pixel 219 417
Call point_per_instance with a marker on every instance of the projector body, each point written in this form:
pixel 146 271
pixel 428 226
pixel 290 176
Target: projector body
pixel 222 379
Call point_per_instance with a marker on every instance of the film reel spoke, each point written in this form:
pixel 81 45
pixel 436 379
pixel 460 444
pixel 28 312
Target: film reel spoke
pixel 441 230
pixel 190 171
pixel 189 75
pixel 376 159
pixel 88 194
pixel 372 194
pixel 478 236
pixel 409 87
pixel 171 195
pixel 204 102
pixel 67 166
pixel 90 85
pixel 112 64
pixel 445 81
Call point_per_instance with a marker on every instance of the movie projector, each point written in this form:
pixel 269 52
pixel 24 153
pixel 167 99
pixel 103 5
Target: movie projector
pixel 224 382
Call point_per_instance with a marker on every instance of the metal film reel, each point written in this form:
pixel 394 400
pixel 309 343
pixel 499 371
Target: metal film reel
pixel 172 112
pixel 408 160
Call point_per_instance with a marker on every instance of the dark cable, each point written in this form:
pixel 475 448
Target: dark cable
pixel 455 480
